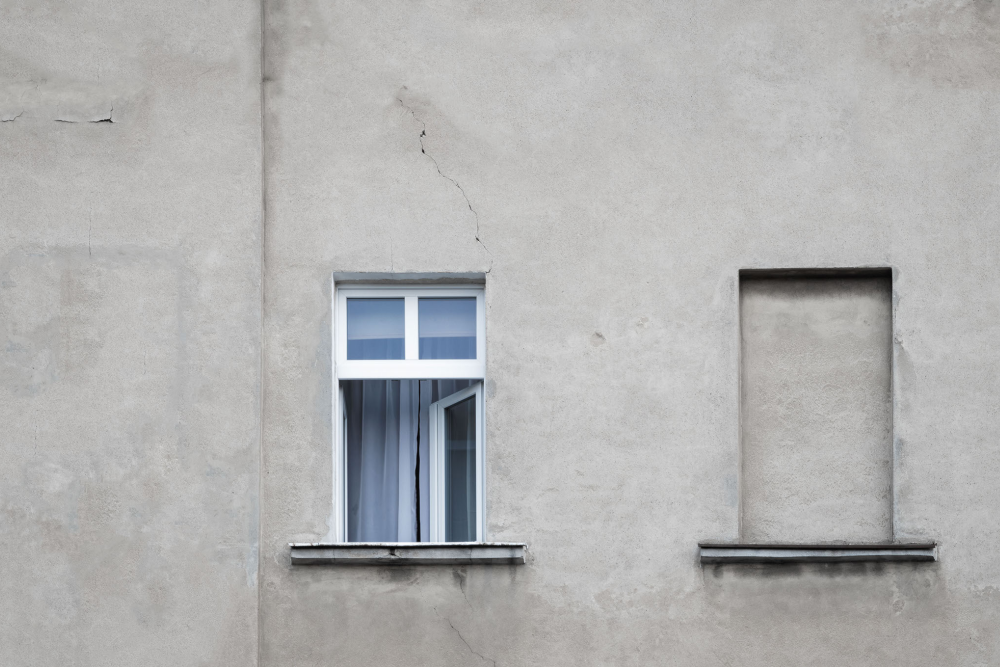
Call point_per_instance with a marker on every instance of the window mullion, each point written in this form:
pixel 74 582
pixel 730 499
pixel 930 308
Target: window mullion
pixel 411 341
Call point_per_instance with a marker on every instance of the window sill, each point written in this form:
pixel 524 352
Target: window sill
pixel 409 553
pixel 816 553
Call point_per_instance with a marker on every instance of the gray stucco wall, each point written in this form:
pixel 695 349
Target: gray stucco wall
pixel 611 168
pixel 622 163
pixel 129 333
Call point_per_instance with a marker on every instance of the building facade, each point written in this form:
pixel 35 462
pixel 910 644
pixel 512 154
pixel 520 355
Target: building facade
pixel 738 284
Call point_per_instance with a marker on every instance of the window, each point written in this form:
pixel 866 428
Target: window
pixel 409 366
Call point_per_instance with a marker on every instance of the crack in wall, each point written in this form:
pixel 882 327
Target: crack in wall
pixel 459 633
pixel 109 119
pixel 423 133
pixel 461 585
pixel 60 102
pixel 20 100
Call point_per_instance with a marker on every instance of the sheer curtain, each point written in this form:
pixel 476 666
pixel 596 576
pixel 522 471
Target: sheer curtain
pixel 388 476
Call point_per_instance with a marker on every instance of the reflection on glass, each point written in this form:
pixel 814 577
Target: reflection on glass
pixel 375 328
pixel 448 328
pixel 460 471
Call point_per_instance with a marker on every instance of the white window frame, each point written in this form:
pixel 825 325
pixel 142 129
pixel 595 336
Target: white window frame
pixel 436 449
pixel 411 367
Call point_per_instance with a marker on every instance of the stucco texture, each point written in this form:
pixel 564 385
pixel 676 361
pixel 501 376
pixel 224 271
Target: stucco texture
pixel 165 311
pixel 618 165
pixel 816 409
pixel 129 332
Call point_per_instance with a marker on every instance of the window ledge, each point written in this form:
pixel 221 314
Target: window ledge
pixel 408 553
pixel 816 553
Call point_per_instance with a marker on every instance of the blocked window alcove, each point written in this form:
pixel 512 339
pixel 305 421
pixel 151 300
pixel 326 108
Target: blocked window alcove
pixel 816 419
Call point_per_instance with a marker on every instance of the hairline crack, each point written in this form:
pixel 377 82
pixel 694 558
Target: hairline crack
pixel 467 645
pixel 420 138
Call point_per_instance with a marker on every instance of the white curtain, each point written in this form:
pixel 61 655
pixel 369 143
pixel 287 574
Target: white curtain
pixel 388 477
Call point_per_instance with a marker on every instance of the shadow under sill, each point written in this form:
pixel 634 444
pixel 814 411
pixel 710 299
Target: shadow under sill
pixel 714 552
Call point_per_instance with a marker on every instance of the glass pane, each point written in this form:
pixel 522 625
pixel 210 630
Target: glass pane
pixel 448 328
pixel 375 328
pixel 386 425
pixel 381 439
pixel 460 471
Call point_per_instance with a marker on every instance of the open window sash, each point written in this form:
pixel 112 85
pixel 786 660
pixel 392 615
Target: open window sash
pixel 456 466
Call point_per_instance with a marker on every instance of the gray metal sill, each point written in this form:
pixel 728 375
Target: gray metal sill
pixel 408 553
pixel 817 553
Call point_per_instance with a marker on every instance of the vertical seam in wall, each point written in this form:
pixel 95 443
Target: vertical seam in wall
pixel 892 406
pixel 260 399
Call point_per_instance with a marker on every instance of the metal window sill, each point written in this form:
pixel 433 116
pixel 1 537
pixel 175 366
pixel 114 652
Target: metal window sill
pixel 408 553
pixel 716 553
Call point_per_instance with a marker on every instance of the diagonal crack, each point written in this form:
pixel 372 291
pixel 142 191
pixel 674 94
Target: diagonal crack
pixel 423 133
pixel 461 585
pixel 20 100
pixel 459 633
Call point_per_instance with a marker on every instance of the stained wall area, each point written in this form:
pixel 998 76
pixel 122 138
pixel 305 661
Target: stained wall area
pixel 129 332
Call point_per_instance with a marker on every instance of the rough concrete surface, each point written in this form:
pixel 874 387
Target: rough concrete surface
pixel 129 333
pixel 622 163
pixel 611 167
pixel 816 409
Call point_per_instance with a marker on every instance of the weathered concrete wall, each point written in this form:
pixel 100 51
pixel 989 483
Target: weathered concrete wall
pixel 129 332
pixel 612 167
pixel 816 409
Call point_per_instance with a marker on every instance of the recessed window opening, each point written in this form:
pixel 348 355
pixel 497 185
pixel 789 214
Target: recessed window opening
pixel 816 406
pixel 410 368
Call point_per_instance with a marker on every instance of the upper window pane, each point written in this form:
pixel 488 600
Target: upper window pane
pixel 375 328
pixel 447 328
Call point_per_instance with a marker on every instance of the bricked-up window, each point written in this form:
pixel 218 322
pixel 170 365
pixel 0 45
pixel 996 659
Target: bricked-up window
pixel 409 366
pixel 816 406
